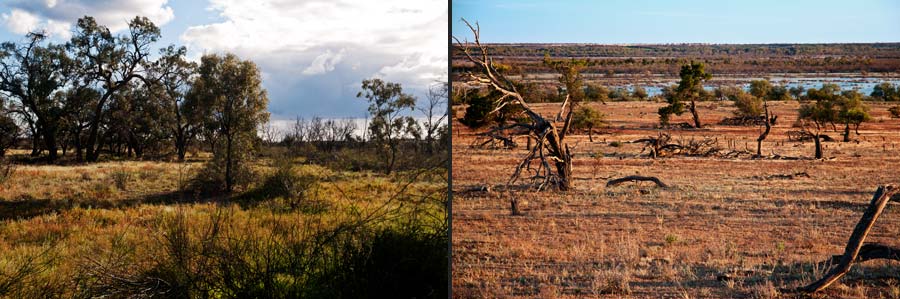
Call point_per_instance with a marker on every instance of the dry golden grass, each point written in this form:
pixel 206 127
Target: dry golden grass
pixel 75 218
pixel 722 216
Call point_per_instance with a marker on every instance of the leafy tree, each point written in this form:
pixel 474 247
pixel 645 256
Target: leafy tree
pixel 173 74
pixel 852 111
pixel 232 103
pixel 110 63
pixel 690 88
pixel 779 93
pixel 388 126
pixel 760 88
pixel 587 118
pixel 823 109
pixel 31 73
pixel 886 92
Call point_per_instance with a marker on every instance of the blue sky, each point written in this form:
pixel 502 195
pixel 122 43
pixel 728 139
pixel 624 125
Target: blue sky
pixel 643 21
pixel 313 54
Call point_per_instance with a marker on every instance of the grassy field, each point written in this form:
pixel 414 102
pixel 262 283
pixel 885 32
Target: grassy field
pixel 732 217
pixel 125 228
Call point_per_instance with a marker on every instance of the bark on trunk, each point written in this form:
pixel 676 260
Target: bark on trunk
pixel 818 146
pixel 694 114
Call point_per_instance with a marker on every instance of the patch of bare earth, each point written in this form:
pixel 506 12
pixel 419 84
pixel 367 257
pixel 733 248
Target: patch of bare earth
pixel 727 227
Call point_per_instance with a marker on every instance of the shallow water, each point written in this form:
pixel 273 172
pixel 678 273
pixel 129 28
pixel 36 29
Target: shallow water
pixel 862 85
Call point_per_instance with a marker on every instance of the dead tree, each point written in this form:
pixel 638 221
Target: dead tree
pixel 768 123
pixel 550 148
pixel 855 251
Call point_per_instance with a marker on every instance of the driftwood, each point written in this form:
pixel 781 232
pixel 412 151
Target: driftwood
pixel 783 176
pixel 800 135
pixel 757 120
pixel 635 178
pixel 854 250
pixel 660 146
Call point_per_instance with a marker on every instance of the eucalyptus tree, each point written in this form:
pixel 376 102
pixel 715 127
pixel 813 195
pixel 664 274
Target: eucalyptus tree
pixel 30 73
pixel 173 74
pixel 110 63
pixel 388 126
pixel 690 88
pixel 822 109
pixel 232 104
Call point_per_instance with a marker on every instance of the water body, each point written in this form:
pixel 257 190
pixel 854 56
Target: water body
pixel 862 85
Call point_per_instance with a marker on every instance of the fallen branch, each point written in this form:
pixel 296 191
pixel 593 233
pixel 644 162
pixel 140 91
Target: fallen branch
pixel 872 251
pixel 855 244
pixel 634 178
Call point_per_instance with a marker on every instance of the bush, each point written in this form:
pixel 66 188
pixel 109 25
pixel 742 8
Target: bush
pixel 393 264
pixel 895 111
pixel 120 178
pixel 295 189
pixel 7 169
pixel 747 104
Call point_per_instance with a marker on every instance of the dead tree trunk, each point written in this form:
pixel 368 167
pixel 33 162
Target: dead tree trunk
pixel 765 133
pixel 636 178
pixel 550 146
pixel 855 244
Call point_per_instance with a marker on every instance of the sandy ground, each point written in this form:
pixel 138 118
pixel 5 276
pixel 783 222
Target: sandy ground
pixel 721 216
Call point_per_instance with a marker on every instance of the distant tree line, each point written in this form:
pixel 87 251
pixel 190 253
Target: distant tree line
pixel 667 59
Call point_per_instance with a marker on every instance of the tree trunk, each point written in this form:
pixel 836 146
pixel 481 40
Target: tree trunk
pixel 818 146
pixel 229 180
pixel 50 143
pixel 847 132
pixel 764 134
pixel 879 201
pixel 591 133
pixel 694 114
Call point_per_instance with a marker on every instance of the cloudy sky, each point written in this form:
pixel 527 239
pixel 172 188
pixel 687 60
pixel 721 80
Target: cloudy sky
pixel 313 53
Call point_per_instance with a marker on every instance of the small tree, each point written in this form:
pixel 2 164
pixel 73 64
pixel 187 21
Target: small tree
pixel 587 118
pixel 760 88
pixel 852 112
pixel 690 88
pixel 388 126
pixel 816 115
pixel 232 104
pixel 886 92
pixel 435 112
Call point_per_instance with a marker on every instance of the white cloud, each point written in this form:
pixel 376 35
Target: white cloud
pixel 308 44
pixel 58 16
pixel 19 21
pixel 324 63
